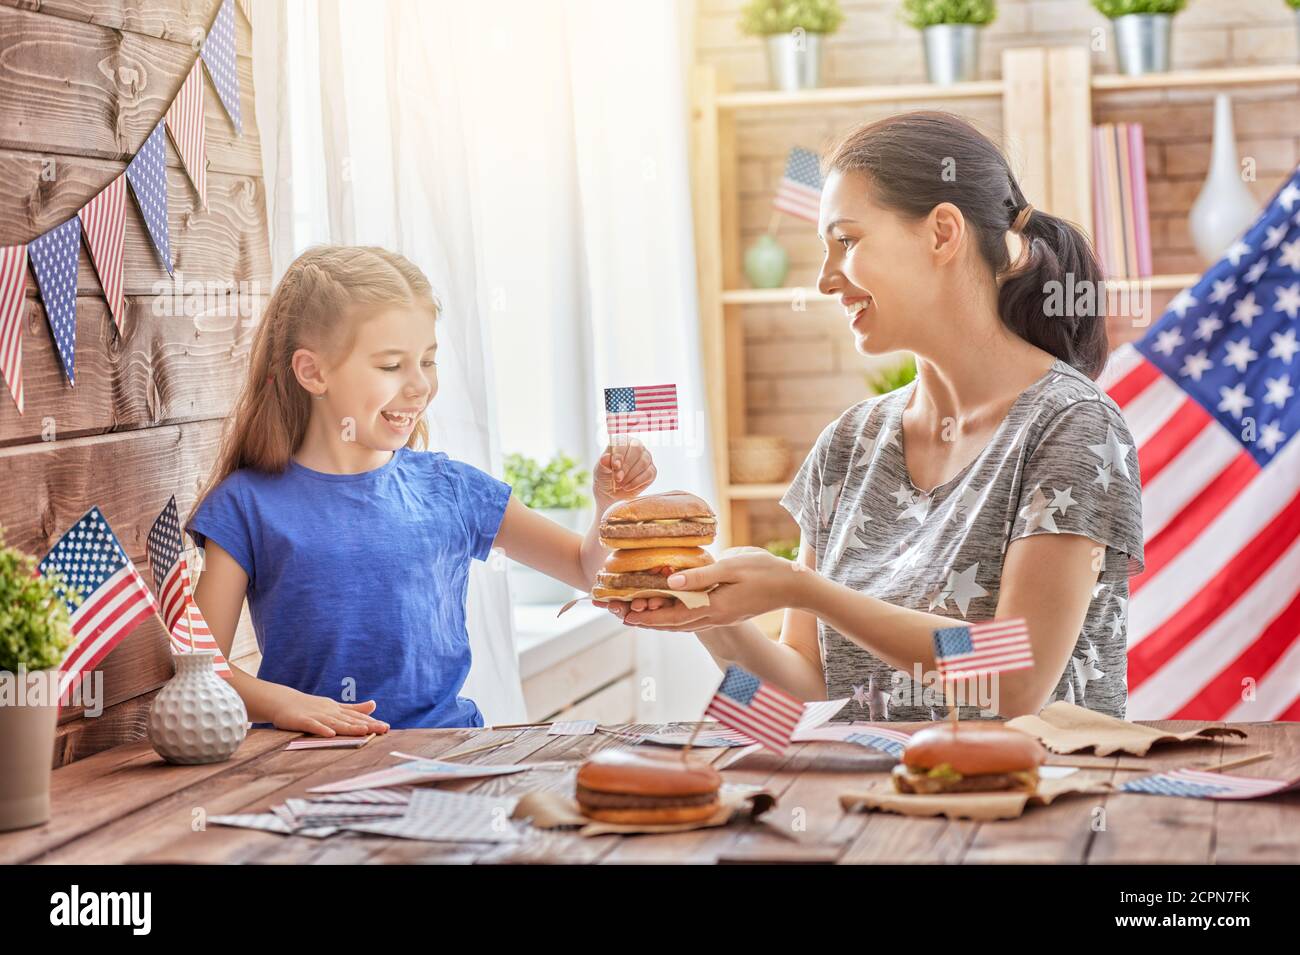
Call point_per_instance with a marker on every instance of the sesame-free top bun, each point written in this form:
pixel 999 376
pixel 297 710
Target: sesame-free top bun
pixel 674 505
pixel 974 748
pixel 622 786
pixel 671 519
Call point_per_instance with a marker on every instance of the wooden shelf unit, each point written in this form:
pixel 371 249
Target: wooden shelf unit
pixel 1046 95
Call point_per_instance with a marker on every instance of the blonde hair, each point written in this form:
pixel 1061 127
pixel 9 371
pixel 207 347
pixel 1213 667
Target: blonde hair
pixel 319 304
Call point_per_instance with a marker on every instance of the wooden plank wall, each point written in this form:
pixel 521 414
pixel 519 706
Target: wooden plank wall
pixel 82 84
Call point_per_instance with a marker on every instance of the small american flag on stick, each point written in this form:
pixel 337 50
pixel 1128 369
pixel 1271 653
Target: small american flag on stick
pixel 171 576
pixel 757 709
pixel 1205 785
pixel 114 597
pixel 642 408
pixel 974 649
pixel 800 191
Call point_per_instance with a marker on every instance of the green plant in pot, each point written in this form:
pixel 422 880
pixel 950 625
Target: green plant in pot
pixel 556 489
pixel 950 32
pixel 1142 29
pixel 34 637
pixel 793 31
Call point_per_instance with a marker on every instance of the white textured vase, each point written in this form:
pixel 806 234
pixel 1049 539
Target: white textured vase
pixel 197 717
pixel 1226 206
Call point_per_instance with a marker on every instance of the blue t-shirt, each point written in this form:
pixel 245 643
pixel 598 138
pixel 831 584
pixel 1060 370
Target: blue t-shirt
pixel 357 582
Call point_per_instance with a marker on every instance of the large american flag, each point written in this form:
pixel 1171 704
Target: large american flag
pixel 800 191
pixel 1208 394
pixel 114 597
pixel 171 577
pixel 759 710
pixel 644 408
pixel 990 647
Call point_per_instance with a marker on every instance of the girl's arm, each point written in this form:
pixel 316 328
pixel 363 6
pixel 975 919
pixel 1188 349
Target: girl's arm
pixel 623 471
pixel 1046 578
pixel 220 596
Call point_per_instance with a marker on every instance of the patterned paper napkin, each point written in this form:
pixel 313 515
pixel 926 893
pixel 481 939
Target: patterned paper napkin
pixel 435 815
pixel 1197 784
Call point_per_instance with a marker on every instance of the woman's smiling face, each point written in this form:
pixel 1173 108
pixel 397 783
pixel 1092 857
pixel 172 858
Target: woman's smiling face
pixel 875 263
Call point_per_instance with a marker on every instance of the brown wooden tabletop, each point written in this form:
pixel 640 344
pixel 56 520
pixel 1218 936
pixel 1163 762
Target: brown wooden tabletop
pixel 125 805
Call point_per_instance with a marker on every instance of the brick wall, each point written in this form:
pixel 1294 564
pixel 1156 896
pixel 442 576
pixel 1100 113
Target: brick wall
pixel 801 367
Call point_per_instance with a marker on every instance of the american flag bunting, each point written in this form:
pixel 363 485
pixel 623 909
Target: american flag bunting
pixel 147 174
pixel 13 309
pixel 218 53
pixel 184 120
pixel 103 219
pixel 54 260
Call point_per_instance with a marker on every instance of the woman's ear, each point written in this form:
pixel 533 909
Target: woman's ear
pixel 948 227
pixel 309 370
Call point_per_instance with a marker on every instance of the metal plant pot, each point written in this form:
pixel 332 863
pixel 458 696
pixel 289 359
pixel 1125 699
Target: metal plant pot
pixel 1142 43
pixel 794 60
pixel 952 52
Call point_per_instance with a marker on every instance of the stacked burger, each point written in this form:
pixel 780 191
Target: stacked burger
pixel 653 537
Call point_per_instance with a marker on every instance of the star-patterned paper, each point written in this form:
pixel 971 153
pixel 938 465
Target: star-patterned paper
pixel 1062 462
pixel 147 174
pixel 218 52
pixel 54 260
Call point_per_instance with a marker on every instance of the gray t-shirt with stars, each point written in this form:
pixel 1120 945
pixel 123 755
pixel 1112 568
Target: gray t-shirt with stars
pixel 1062 462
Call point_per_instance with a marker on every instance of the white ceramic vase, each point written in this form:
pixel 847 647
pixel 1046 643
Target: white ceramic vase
pixel 1226 206
pixel 197 717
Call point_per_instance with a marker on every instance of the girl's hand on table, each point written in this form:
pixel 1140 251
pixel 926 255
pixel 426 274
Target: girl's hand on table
pixel 325 717
pixel 749 581
pixel 624 470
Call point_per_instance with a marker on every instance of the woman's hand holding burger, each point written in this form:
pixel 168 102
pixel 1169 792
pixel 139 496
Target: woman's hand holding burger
pixel 747 581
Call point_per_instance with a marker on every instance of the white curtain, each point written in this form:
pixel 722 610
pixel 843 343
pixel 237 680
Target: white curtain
pixel 532 159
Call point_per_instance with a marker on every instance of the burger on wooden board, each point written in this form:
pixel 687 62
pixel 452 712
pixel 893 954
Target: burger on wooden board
pixel 969 757
pixel 632 788
pixel 653 537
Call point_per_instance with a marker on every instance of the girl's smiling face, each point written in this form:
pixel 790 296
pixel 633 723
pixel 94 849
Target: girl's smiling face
pixel 875 263
pixel 387 380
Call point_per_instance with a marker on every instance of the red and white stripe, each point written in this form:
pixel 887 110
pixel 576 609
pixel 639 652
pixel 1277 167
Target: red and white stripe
pixel 997 646
pixel 656 410
pixel 770 717
pixel 1234 787
pixel 187 628
pixel 102 620
pixel 103 219
pixel 13 309
pixel 798 200
pixel 185 124
pixel 1214 619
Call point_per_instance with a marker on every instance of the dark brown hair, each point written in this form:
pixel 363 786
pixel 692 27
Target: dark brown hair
pixel 916 160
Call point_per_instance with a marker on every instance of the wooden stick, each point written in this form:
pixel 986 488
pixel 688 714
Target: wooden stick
pixel 773 222
pixel 189 623
pixel 694 733
pixel 949 702
pixel 519 726
pixel 1244 761
pixel 463 752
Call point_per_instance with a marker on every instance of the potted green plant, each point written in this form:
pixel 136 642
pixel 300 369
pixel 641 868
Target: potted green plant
pixel 793 31
pixel 1142 29
pixel 950 33
pixel 34 636
pixel 556 489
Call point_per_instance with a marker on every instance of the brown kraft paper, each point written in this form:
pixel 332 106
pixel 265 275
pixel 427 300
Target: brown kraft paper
pixel 1065 728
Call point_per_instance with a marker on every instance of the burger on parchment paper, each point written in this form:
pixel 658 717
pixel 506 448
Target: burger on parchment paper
pixel 653 537
pixel 630 788
pixel 971 757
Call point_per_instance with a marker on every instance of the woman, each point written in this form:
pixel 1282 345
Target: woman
pixel 1002 482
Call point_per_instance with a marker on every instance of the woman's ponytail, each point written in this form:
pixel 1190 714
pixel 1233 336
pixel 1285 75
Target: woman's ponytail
pixel 1053 295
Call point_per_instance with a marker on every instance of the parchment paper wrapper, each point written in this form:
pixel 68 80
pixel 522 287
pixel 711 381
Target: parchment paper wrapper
pixel 551 810
pixel 691 599
pixel 983 806
pixel 1066 728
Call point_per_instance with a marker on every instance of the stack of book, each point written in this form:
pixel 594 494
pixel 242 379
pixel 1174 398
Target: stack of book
pixel 1121 221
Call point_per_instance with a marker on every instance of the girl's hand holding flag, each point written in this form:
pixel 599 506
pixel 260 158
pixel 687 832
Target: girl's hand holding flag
pixel 624 470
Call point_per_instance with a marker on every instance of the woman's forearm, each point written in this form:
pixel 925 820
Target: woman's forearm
pixel 747 646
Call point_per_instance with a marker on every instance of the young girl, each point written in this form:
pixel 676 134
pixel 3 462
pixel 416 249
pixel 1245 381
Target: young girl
pixel 351 545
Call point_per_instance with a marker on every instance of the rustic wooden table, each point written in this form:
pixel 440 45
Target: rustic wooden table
pixel 125 805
